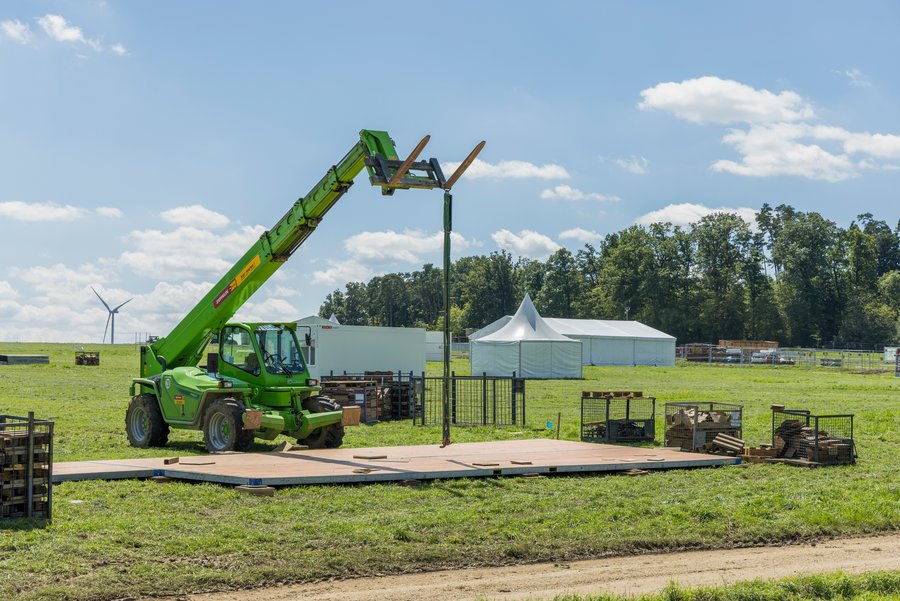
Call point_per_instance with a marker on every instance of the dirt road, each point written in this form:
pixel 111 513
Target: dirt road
pixel 624 575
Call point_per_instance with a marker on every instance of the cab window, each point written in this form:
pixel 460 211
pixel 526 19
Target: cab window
pixel 237 350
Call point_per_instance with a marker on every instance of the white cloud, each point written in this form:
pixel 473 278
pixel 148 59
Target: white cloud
pixel 582 235
pixel 40 211
pixel 341 272
pixel 803 150
pixel 187 251
pixel 685 214
pixel 284 292
pixel 7 291
pixel 564 192
pixel 856 78
pixel 714 100
pixel 196 216
pixel 119 49
pixel 16 31
pixel 777 140
pixel 112 212
pixel 777 150
pixel 526 243
pixel 59 29
pixel 408 246
pixel 509 169
pixel 270 309
pixel 635 165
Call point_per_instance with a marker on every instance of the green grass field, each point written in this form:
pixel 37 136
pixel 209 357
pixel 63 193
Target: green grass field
pixel 880 586
pixel 115 539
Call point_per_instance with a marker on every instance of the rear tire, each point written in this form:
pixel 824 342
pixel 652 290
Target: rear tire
pixel 144 422
pixel 329 437
pixel 223 427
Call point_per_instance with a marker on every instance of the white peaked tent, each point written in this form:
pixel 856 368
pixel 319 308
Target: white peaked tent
pixel 527 346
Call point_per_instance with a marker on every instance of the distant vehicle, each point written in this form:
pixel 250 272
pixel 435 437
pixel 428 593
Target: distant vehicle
pixel 770 356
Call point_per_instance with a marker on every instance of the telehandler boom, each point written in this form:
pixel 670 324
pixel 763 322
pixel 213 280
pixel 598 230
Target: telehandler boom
pixel 257 384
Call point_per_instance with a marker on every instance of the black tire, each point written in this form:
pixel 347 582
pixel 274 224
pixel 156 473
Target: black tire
pixel 223 427
pixel 144 423
pixel 329 437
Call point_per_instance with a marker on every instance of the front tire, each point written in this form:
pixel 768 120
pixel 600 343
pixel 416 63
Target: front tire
pixel 144 422
pixel 223 427
pixel 329 437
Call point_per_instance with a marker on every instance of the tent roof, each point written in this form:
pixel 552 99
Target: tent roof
pixel 314 320
pixel 334 319
pixel 525 325
pixel 606 328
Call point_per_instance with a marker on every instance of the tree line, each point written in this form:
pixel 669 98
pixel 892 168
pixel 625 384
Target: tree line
pixel 794 277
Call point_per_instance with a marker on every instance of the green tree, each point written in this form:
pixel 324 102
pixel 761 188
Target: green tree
pixel 562 287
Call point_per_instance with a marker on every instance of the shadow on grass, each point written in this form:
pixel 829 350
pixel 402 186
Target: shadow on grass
pixel 23 524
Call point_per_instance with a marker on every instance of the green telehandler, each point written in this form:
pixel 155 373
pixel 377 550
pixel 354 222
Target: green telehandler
pixel 256 383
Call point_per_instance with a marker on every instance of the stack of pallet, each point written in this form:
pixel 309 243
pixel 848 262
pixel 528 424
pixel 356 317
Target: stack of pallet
pixel 365 393
pixel 400 403
pixel 796 441
pixel 25 476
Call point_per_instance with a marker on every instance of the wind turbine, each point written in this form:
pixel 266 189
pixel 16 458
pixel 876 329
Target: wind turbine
pixel 112 317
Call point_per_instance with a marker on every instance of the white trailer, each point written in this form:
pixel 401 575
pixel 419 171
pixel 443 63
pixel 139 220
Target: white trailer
pixel 336 348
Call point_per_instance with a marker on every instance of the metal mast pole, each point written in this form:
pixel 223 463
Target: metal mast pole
pixel 448 226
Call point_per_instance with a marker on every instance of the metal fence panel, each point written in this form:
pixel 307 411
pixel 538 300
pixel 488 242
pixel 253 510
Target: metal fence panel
pixel 474 400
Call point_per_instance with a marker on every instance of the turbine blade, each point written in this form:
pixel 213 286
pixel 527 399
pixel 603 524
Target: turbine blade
pixel 107 327
pixel 116 310
pixel 101 299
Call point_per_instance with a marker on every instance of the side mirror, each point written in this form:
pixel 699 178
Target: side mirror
pixel 308 339
pixel 212 363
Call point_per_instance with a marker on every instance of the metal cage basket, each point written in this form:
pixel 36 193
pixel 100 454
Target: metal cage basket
pixel 617 419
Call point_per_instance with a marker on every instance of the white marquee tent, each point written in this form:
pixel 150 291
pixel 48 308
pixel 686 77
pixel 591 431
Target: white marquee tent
pixel 606 342
pixel 527 346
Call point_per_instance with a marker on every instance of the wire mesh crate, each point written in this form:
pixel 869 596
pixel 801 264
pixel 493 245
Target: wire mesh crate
pixel 693 425
pixel 26 463
pixel 608 418
pixel 799 436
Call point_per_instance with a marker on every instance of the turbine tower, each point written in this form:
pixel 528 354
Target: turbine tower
pixel 111 318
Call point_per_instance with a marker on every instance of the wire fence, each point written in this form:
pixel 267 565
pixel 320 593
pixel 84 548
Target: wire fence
pixel 861 361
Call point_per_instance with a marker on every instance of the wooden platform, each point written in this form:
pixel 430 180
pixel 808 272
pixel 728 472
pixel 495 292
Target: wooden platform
pixel 380 464
pixel 24 359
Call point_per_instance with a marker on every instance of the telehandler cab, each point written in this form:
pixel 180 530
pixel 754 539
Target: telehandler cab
pixel 257 384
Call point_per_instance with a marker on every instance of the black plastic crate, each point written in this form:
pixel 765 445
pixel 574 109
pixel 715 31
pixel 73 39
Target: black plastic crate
pixel 617 419
pixel 798 435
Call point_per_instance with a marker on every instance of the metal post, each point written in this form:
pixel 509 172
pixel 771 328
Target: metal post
pixel 484 418
pixel 448 225
pixel 29 475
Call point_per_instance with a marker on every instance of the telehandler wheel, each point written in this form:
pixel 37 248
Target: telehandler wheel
pixel 144 422
pixel 329 437
pixel 223 427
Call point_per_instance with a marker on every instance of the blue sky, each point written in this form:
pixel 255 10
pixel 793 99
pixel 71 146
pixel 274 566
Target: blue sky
pixel 143 146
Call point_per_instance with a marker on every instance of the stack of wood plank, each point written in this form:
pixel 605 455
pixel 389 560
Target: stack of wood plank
pixel 15 476
pixel 725 444
pixel 758 454
pixel 794 440
pixel 691 429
